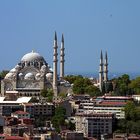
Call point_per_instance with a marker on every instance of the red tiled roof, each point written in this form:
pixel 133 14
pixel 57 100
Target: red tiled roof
pixel 14 138
pixel 28 104
pixel 20 112
pixel 2 134
pixel 113 103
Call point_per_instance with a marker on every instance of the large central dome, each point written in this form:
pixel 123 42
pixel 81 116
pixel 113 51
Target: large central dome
pixel 32 56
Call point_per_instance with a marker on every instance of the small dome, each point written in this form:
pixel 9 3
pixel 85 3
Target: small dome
pixel 21 75
pixel 43 68
pixel 51 69
pixel 13 70
pixel 17 67
pixel 32 56
pixel 37 76
pixel 29 76
pixel 49 75
pixel 9 75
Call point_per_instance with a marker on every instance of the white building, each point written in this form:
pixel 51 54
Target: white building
pixel 103 106
pixel 113 107
pixel 94 124
pixel 7 107
pixel 37 109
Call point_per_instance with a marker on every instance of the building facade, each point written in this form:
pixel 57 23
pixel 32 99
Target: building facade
pixel 94 124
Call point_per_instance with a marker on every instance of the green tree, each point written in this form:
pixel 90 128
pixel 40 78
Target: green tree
pixel 62 95
pixel 130 111
pixel 44 92
pixel 135 85
pixel 79 86
pixel 72 78
pixel 3 73
pixel 85 86
pixel 59 118
pixel 122 85
pixel 92 91
pixel 71 126
pixel 131 123
pixel 48 94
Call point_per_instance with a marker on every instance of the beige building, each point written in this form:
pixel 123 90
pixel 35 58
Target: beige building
pixel 71 135
pixel 94 124
pixel 21 115
pixel 36 109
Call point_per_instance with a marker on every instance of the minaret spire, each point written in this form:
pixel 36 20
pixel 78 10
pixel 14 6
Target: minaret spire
pixel 101 71
pixel 55 60
pixel 106 68
pixel 55 36
pixel 62 60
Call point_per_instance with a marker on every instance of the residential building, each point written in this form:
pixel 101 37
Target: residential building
pixel 17 130
pixel 21 115
pixel 44 109
pixel 71 135
pixel 9 106
pixel 113 107
pixel 94 124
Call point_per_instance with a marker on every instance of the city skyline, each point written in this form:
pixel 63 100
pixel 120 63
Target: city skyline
pixel 88 27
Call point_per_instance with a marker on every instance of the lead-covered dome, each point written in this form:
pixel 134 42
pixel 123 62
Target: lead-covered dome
pixel 32 57
pixel 9 75
pixel 29 76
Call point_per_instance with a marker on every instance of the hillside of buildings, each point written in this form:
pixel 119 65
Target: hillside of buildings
pixel 86 112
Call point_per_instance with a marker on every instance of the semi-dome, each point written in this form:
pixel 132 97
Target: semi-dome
pixel 49 75
pixel 17 67
pixel 32 56
pixel 9 75
pixel 13 70
pixel 37 76
pixel 21 76
pixel 29 76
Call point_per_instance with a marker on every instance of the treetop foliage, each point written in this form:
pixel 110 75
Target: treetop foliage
pixel 131 123
pixel 3 73
pixel 59 118
pixel 82 85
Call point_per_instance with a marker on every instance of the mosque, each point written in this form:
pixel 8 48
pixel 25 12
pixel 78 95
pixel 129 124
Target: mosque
pixel 32 74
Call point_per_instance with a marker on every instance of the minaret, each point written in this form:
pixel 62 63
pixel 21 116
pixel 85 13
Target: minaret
pixel 55 89
pixel 62 60
pixel 106 68
pixel 101 72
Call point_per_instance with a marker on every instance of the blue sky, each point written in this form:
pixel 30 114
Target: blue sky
pixel 89 26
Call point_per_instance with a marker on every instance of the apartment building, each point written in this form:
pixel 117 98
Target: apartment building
pixel 94 124
pixel 36 109
pixel 114 107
